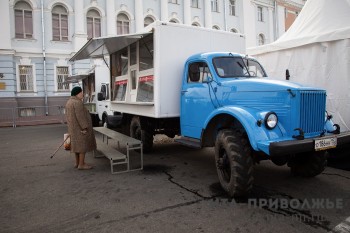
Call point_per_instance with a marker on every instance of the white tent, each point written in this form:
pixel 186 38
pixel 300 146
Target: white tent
pixel 316 51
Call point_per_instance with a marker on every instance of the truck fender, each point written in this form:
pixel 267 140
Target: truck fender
pixel 249 120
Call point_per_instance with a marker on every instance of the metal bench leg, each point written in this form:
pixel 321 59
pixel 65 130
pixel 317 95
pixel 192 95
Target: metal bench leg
pixel 128 159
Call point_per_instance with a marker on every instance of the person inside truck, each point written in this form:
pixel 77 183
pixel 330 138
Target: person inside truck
pixel 194 74
pixel 198 72
pixel 79 124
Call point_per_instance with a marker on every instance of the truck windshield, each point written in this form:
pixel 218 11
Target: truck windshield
pixel 228 67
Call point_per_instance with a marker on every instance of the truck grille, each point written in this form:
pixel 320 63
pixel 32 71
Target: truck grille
pixel 312 111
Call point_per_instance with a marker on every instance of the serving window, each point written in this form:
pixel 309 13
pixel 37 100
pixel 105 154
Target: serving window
pixel 146 53
pixel 145 89
pixel 120 90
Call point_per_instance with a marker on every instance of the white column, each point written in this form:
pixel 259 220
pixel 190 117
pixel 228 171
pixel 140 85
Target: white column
pixel 111 18
pixel 249 17
pixel 271 26
pixel 139 15
pixel 5 35
pixel 187 12
pixel 281 21
pixel 164 10
pixel 79 16
pixel 80 36
pixel 207 14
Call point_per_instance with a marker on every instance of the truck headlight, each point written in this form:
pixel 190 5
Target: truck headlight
pixel 270 120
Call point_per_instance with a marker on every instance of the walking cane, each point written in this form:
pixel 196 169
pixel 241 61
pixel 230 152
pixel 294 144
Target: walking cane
pixel 58 148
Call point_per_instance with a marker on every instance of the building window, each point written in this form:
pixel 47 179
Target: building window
pixel 173 1
pixel 232 7
pixel 148 20
pixel 93 21
pixel 59 23
pixel 214 6
pixel 260 14
pixel 123 24
pixel 234 30
pixel 195 24
pixel 261 39
pixel 26 78
pixel 62 75
pixel 23 20
pixel 26 112
pixel 195 4
pixel 216 27
pixel 173 21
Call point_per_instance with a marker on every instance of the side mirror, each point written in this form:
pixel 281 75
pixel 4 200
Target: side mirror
pixel 207 79
pixel 100 96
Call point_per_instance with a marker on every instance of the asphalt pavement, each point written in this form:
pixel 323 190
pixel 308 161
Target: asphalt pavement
pixel 177 191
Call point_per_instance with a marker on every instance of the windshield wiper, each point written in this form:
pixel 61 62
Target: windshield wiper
pixel 244 67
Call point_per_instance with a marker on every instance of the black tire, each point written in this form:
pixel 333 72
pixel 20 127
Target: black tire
pixel 105 121
pixel 279 161
pixel 95 120
pixel 234 163
pixel 308 164
pixel 109 126
pixel 146 136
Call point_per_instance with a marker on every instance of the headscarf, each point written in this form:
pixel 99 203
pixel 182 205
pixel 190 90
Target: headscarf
pixel 75 91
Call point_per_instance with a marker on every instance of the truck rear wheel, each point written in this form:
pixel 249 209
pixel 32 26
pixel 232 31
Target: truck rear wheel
pixel 146 136
pixel 308 164
pixel 234 163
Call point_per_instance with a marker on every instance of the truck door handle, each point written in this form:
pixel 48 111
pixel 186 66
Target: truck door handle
pixel 183 91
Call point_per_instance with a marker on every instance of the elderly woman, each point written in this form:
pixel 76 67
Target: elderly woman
pixel 79 123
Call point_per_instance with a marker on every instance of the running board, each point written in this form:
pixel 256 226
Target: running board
pixel 190 142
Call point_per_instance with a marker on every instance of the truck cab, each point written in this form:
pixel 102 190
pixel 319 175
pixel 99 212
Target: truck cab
pixel 96 89
pixel 109 118
pixel 208 85
pixel 227 101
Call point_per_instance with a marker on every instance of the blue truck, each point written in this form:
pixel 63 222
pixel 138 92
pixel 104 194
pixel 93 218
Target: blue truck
pixel 172 80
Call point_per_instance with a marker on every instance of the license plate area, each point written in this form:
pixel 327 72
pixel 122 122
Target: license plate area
pixel 325 143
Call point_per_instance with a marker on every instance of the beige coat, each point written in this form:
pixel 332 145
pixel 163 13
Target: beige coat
pixel 78 119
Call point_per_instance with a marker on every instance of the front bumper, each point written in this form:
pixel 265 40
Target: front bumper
pixel 306 145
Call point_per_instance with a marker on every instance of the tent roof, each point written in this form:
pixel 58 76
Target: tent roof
pixel 98 47
pixel 318 21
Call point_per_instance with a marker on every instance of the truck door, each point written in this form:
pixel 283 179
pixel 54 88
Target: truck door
pixel 103 104
pixel 195 100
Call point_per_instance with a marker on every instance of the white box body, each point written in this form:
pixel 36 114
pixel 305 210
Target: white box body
pixel 173 45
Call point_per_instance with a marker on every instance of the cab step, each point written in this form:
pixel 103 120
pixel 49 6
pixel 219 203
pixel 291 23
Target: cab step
pixel 190 142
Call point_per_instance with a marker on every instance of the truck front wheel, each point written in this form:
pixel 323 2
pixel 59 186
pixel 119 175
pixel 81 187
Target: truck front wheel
pixel 146 136
pixel 308 164
pixel 95 120
pixel 105 121
pixel 234 163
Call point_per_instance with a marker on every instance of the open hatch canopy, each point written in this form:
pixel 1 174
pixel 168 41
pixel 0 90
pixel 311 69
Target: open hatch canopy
pixel 78 77
pixel 99 47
